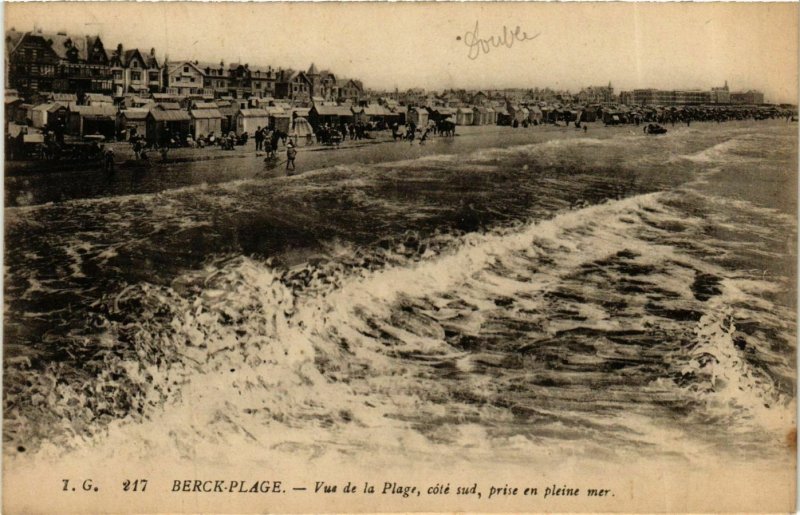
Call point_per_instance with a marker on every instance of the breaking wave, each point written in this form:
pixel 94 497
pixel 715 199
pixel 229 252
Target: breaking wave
pixel 656 324
pixel 546 333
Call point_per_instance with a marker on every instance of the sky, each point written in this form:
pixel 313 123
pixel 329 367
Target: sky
pixel 403 45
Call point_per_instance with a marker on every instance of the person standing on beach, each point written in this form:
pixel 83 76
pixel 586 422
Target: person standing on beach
pixel 266 135
pixel 137 147
pixel 291 154
pixel 108 160
pixel 259 139
pixel 424 136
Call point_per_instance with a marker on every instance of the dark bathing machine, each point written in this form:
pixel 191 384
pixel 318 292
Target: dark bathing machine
pixel 164 123
pixel 205 122
pixel 329 114
pixel 93 119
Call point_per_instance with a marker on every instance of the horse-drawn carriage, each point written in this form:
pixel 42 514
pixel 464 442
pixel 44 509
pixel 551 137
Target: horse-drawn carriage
pixel 446 126
pixel 29 146
pixel 89 148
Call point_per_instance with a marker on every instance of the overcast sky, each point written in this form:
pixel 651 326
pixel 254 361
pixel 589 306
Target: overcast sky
pixel 407 45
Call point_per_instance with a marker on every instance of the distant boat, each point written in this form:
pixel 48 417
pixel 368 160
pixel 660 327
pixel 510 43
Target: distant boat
pixel 654 128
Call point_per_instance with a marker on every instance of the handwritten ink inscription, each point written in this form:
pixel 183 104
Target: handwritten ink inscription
pixel 478 45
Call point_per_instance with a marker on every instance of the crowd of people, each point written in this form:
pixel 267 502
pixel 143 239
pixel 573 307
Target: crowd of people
pixel 267 140
pixel 49 143
pixel 168 140
pixel 689 114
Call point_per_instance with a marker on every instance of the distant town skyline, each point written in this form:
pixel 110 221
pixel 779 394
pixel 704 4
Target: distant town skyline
pixel 441 46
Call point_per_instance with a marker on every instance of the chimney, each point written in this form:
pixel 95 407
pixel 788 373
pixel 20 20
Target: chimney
pixel 152 52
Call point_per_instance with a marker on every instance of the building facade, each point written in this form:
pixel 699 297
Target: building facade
pixel 626 98
pixel 479 99
pixel 751 97
pixel 59 62
pixel 135 72
pixel 293 85
pixel 62 63
pixel 596 95
pixel 657 97
pixel 215 78
pixel 245 81
pixel 263 81
pixel 184 78
pixel 350 90
pixel 323 83
pixel 721 95
pixel 692 97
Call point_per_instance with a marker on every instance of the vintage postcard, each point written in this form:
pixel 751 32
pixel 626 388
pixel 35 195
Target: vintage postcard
pixel 400 257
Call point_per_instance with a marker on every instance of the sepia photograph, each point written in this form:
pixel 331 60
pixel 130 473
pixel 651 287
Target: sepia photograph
pixel 341 257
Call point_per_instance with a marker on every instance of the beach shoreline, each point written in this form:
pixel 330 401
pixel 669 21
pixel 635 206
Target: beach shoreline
pixel 187 167
pixel 124 155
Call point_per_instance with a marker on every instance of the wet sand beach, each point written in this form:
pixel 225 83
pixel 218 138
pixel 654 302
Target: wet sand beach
pixel 213 165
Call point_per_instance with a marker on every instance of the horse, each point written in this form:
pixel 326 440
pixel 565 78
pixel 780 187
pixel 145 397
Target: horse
pixel 398 134
pixel 277 135
pixel 446 128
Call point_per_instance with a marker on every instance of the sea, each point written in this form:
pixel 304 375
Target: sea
pixel 607 295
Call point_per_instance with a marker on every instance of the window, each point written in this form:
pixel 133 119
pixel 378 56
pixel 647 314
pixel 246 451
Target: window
pixel 136 75
pixel 117 74
pixel 135 64
pixel 153 76
pixel 185 69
